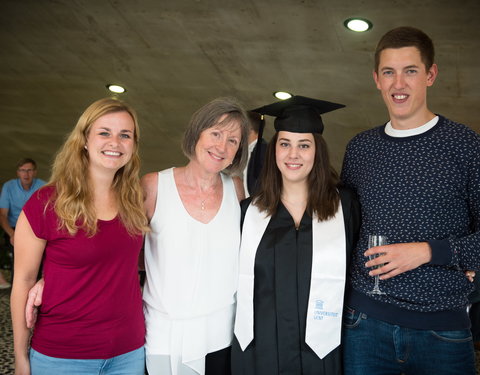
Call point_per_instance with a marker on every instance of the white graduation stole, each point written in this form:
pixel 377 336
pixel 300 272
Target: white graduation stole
pixel 327 285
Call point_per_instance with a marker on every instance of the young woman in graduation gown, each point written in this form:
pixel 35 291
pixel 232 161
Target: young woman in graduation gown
pixel 297 234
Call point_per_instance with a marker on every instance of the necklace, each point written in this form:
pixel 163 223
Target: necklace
pixel 189 183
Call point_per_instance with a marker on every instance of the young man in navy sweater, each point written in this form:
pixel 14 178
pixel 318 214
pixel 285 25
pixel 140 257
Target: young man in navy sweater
pixel 418 181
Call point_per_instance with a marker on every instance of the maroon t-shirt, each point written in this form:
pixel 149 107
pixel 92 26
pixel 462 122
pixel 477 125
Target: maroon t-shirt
pixel 92 304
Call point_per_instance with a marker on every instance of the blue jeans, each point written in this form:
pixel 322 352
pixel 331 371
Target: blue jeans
pixel 374 347
pixel 131 363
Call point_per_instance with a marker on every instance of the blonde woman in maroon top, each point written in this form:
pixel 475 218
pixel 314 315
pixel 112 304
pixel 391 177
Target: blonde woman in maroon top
pixel 87 225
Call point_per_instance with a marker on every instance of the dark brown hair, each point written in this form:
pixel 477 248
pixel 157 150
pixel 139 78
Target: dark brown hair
pixel 406 36
pixel 26 161
pixel 323 197
pixel 255 120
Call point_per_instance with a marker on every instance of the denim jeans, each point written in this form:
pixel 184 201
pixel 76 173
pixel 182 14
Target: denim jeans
pixel 374 347
pixel 131 363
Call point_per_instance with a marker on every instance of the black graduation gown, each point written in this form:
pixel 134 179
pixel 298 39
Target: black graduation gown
pixel 255 165
pixel 283 265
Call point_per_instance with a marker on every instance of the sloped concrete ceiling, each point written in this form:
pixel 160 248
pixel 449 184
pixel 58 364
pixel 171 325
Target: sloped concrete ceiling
pixel 173 56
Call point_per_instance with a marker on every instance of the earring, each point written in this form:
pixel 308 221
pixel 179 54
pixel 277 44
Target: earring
pixel 85 147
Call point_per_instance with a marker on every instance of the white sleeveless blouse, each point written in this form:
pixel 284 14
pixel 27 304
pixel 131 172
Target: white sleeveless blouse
pixel 191 267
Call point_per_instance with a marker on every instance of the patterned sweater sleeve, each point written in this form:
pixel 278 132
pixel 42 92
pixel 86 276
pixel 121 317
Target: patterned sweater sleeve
pixel 346 173
pixel 465 251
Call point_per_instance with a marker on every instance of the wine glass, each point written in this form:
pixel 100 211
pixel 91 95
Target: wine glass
pixel 376 240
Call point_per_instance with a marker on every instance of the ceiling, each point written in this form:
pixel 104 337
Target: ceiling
pixel 173 56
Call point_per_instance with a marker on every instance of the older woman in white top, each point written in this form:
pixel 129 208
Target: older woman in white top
pixel 191 252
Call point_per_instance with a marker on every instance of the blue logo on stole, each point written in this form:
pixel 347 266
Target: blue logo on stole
pixel 319 312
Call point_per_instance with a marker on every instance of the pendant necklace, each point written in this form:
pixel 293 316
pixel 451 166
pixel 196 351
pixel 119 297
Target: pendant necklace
pixel 203 201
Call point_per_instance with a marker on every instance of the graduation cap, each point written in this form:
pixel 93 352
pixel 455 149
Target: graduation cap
pixel 299 114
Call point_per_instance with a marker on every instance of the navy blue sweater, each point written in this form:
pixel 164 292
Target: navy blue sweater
pixel 415 189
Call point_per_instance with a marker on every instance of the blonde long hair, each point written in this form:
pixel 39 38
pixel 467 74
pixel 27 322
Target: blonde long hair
pixel 73 201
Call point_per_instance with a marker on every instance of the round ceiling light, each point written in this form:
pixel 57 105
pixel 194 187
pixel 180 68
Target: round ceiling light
pixel 117 89
pixel 358 25
pixel 282 95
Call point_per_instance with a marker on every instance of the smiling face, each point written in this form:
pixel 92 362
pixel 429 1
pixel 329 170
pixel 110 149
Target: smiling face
pixel 295 155
pixel 217 146
pixel 403 80
pixel 110 142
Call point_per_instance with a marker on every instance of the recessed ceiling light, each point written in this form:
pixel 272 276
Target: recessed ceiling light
pixel 358 25
pixel 282 95
pixel 116 89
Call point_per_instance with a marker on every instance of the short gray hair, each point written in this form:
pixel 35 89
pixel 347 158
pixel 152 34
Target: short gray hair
pixel 207 117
